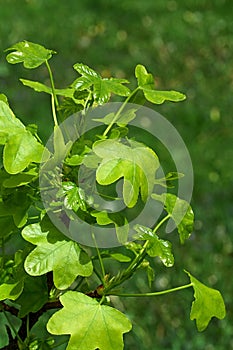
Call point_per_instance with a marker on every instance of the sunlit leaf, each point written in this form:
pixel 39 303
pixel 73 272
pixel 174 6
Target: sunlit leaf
pixel 208 303
pixel 54 252
pixel 156 247
pixel 20 150
pixel 158 97
pixel 180 211
pixel 136 163
pixel 102 327
pixel 102 87
pixel 146 84
pixel 144 78
pixel 32 55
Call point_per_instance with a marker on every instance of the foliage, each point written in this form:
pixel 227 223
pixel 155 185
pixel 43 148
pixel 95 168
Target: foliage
pixel 60 271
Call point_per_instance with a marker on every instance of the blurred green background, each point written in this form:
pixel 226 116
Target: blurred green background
pixel 188 46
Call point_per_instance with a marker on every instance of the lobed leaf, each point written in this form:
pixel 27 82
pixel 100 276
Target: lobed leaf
pixel 30 54
pixel 208 303
pixel 56 253
pixel 180 211
pixel 90 324
pixel 156 247
pixel 136 163
pixel 102 87
pixel 146 84
pixel 11 322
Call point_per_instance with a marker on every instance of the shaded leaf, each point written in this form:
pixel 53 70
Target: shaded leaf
pixel 56 253
pixel 122 120
pixel 39 87
pixel 34 295
pixel 102 327
pixel 32 55
pixel 21 179
pixel 136 163
pixel 9 321
pixel 156 247
pixel 208 303
pixel 119 221
pixel 180 211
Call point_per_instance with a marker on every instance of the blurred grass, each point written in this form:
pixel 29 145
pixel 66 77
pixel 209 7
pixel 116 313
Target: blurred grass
pixel 188 46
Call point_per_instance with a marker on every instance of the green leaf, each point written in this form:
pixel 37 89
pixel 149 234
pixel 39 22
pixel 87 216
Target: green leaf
pixel 156 247
pixel 39 87
pixel 136 163
pixel 208 303
pixel 32 55
pixel 122 120
pixel 7 322
pixel 4 98
pixel 20 150
pixel 120 222
pixel 120 257
pixel 180 211
pixel 102 87
pixel 144 78
pixel 21 179
pixel 54 252
pixel 34 295
pixel 74 196
pixel 102 327
pixel 39 333
pixel 11 290
pixel 9 124
pixel 158 97
pixel 146 84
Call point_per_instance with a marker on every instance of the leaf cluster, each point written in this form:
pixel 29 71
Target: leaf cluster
pixel 51 283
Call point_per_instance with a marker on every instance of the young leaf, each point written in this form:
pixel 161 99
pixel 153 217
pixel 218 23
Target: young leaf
pixel 32 55
pixel 74 196
pixel 56 253
pixel 136 163
pixel 156 247
pixel 146 84
pixel 90 324
pixel 11 322
pixel 180 211
pixel 102 87
pixel 208 303
pixel 144 78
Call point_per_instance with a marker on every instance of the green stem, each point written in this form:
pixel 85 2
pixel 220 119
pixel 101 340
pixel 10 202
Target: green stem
pixel 54 100
pixel 161 222
pixel 119 111
pixel 152 293
pixel 100 260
